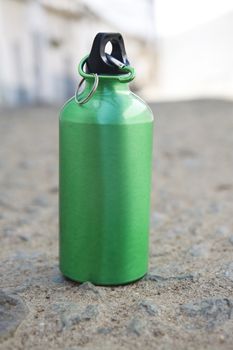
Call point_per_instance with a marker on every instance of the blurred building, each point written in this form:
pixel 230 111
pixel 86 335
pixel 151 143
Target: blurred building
pixel 42 41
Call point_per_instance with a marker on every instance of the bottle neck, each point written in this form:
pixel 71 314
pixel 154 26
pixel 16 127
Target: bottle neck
pixel 107 85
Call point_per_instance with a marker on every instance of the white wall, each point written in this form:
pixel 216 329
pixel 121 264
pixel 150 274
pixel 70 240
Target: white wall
pixel 15 75
pixel 196 63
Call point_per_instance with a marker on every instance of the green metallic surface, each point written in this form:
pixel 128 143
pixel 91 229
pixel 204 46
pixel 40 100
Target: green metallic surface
pixel 105 181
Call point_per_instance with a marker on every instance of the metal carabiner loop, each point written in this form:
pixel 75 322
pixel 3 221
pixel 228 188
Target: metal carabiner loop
pixel 90 94
pixel 124 78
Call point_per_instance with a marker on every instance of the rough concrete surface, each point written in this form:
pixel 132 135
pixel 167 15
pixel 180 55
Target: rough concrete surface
pixel 186 300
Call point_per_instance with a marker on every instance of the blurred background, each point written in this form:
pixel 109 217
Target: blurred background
pixel 181 49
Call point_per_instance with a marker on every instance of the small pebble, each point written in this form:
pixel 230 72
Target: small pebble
pixel 150 308
pixel 12 312
pixel 136 326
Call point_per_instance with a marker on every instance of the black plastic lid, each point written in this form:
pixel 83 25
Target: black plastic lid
pixel 102 63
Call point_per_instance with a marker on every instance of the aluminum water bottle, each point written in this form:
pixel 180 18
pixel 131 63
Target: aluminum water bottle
pixel 106 136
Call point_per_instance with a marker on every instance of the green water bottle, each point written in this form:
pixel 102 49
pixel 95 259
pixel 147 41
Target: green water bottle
pixel 106 136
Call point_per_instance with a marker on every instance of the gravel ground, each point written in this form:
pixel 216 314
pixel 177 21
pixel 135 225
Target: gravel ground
pixel 185 302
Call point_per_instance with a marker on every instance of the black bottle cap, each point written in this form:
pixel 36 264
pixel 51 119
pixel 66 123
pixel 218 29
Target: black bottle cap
pixel 107 64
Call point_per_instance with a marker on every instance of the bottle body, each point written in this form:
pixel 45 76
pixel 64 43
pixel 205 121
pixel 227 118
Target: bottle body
pixel 105 181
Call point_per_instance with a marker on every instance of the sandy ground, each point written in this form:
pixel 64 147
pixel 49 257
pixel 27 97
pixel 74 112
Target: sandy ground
pixel 186 301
